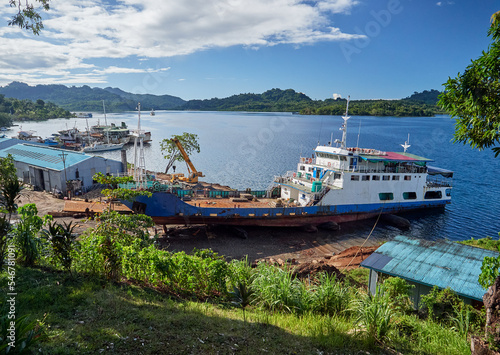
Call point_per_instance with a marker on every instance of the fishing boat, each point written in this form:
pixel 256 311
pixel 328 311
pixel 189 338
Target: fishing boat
pixel 99 146
pixel 102 147
pixel 337 183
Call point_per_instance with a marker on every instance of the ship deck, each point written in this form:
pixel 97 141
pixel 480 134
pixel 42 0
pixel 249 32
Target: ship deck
pixel 230 203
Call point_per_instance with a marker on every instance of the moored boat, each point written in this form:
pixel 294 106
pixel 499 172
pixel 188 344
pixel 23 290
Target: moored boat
pixel 336 184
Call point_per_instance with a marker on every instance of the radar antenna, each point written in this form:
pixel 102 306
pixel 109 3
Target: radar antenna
pixel 407 144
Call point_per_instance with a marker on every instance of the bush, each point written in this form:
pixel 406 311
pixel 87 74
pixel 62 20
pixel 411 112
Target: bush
pixel 62 241
pixel 398 291
pixel 26 236
pixel 441 304
pixel 279 290
pixel 329 296
pixel 374 313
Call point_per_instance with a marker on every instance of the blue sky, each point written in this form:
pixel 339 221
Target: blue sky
pixel 199 49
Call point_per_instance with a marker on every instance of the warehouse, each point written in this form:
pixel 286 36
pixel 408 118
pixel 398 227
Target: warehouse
pixel 48 169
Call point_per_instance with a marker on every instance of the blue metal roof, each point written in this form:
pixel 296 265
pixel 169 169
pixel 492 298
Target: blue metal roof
pixel 49 158
pixel 440 263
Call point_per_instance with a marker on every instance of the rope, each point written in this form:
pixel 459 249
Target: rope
pixel 369 235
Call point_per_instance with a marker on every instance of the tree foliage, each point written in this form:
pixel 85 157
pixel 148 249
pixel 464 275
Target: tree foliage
pixel 473 98
pixel 28 17
pixel 116 192
pixel 14 109
pixel 170 151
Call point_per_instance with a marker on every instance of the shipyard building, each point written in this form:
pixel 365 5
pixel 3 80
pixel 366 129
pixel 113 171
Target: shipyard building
pixel 48 169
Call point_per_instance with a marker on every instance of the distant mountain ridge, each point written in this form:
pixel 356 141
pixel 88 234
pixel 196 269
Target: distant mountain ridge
pixel 89 99
pixel 85 98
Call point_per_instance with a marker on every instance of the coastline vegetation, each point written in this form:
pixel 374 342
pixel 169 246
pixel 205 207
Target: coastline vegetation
pixel 20 110
pixel 86 99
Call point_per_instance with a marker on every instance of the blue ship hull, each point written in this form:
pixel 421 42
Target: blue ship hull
pixel 167 208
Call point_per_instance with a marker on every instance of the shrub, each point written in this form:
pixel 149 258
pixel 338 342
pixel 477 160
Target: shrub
pixel 441 304
pixel 279 290
pixel 374 313
pixel 26 234
pixel 62 241
pixel 329 296
pixel 398 291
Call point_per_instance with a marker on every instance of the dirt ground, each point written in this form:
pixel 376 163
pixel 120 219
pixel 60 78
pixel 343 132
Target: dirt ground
pixel 274 245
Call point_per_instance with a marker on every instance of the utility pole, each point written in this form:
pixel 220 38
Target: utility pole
pixel 63 156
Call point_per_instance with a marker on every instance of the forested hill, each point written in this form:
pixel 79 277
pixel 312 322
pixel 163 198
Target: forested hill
pixel 418 104
pixel 426 96
pixel 86 98
pixel 275 100
pixel 89 99
pixel 39 110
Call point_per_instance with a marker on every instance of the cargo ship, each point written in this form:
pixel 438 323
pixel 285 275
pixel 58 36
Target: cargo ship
pixel 336 183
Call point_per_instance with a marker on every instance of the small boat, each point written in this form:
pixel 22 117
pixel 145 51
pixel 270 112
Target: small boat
pixel 152 113
pixel 83 114
pixel 102 147
pixel 336 184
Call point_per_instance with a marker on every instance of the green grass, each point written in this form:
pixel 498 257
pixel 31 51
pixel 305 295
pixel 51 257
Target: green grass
pixel 88 315
pixel 484 243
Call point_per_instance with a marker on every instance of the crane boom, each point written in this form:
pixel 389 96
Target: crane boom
pixel 193 173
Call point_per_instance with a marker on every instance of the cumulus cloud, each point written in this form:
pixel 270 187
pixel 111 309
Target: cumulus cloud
pixel 77 31
pixel 337 96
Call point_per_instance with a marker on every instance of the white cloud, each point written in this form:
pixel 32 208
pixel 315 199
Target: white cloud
pixel 77 31
pixel 337 96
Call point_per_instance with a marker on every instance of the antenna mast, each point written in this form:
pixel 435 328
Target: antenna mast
pixel 139 166
pixel 344 125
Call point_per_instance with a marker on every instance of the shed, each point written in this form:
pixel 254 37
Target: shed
pixel 49 168
pixel 426 264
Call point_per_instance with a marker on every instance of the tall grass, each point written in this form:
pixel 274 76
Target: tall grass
pixel 278 290
pixel 373 313
pixel 329 296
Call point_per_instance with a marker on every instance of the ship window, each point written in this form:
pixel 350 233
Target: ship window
pixel 365 178
pixel 410 195
pixel 386 177
pixel 354 177
pixel 342 158
pixel 429 195
pixel 448 192
pixel 375 177
pixel 395 177
pixel 302 167
pixel 337 176
pixel 386 196
pixel 311 169
pixel 407 177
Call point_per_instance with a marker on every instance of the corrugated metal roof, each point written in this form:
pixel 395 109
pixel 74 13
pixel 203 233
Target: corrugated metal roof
pixel 49 158
pixel 440 263
pixel 395 157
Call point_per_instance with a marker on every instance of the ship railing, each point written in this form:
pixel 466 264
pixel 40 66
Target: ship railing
pixel 387 169
pixel 438 181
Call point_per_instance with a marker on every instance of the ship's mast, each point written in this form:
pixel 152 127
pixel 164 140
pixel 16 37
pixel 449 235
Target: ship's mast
pixel 139 164
pixel 407 144
pixel 344 125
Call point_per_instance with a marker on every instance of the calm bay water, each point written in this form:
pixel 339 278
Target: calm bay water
pixel 248 149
